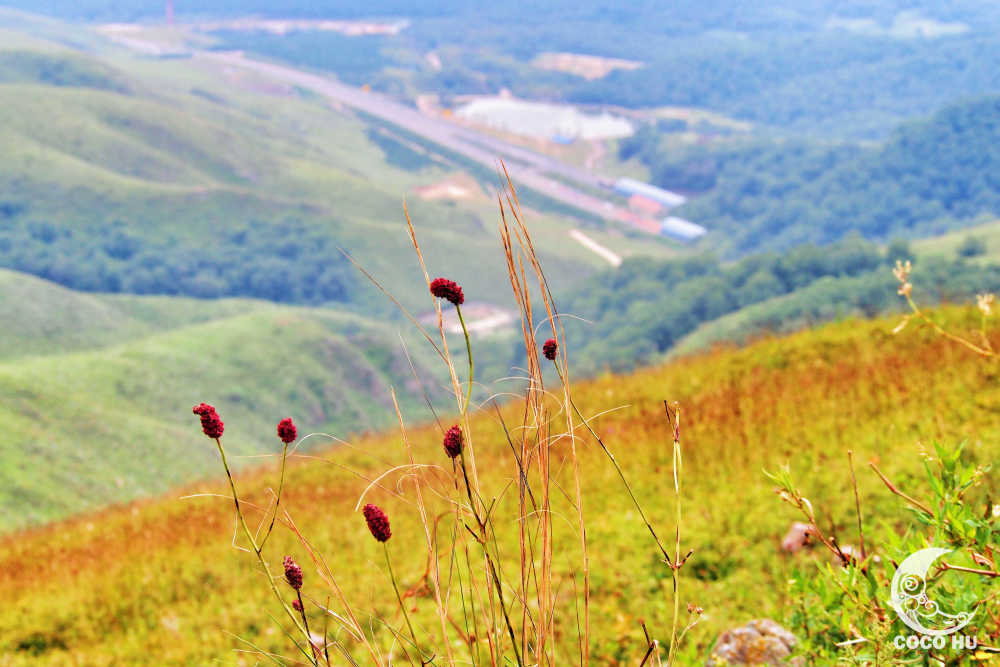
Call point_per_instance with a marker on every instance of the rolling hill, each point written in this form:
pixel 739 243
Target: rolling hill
pixel 185 177
pixel 81 367
pixel 627 316
pixel 95 387
pixel 171 231
pixel 161 580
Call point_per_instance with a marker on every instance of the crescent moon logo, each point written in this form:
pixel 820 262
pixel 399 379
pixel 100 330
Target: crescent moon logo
pixel 908 596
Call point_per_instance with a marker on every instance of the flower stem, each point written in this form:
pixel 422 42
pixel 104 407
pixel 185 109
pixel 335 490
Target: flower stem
pixel 621 474
pixel 277 499
pixel 494 575
pixel 472 366
pixel 305 622
pixel 402 607
pixel 257 551
pixel 675 567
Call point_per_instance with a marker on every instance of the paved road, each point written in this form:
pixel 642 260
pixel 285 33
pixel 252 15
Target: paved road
pixel 527 168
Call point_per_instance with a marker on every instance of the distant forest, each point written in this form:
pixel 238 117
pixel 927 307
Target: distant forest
pixel 285 261
pixel 841 69
pixel 930 176
pixel 641 310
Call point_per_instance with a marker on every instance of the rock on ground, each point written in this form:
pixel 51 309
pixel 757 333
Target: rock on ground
pixel 759 642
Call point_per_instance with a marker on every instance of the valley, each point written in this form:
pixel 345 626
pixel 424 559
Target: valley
pixel 711 352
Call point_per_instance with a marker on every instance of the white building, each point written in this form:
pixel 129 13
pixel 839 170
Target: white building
pixel 629 186
pixel 681 228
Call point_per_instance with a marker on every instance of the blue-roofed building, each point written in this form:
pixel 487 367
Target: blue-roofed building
pixel 682 229
pixel 629 186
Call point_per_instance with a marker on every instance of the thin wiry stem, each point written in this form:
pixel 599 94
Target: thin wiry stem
pixel 472 365
pixel 902 272
pixel 395 587
pixel 676 566
pixel 277 498
pixel 494 575
pixel 971 570
pixel 260 557
pixel 941 331
pixel 892 487
pixel 305 622
pixel 621 475
pixel 857 504
pixel 584 641
pixel 435 578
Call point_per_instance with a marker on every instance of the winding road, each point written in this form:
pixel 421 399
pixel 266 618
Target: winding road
pixel 527 168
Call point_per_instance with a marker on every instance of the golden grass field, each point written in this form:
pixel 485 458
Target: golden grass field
pixel 159 582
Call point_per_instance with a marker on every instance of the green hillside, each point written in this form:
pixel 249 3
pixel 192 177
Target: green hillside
pixel 42 318
pixel 107 423
pixel 630 318
pixel 161 582
pixel 930 176
pixel 843 69
pixel 70 356
pixel 160 176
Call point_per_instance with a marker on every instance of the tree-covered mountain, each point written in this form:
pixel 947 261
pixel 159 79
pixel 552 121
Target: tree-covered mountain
pixel 929 176
pixel 646 309
pixel 843 69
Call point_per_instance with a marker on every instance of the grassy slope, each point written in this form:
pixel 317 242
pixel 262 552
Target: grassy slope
pixel 151 149
pixel 97 387
pixel 161 578
pixel 42 318
pixel 947 245
pixel 190 146
pixel 776 316
pixel 772 316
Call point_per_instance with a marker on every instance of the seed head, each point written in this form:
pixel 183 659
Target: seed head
pixel 453 441
pixel 378 522
pixel 985 303
pixel 293 573
pixel 902 272
pixel 449 290
pixel 210 422
pixel 287 431
pixel 549 349
pixel 296 605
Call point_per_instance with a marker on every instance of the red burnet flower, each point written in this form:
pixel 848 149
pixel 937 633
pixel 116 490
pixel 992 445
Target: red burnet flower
pixel 549 349
pixel 293 573
pixel 449 290
pixel 210 422
pixel 378 522
pixel 296 605
pixel 453 441
pixel 287 431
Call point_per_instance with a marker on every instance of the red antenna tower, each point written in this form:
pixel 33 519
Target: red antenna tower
pixel 170 12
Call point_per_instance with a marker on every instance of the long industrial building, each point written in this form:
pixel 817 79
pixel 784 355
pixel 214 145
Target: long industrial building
pixel 629 186
pixel 681 228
